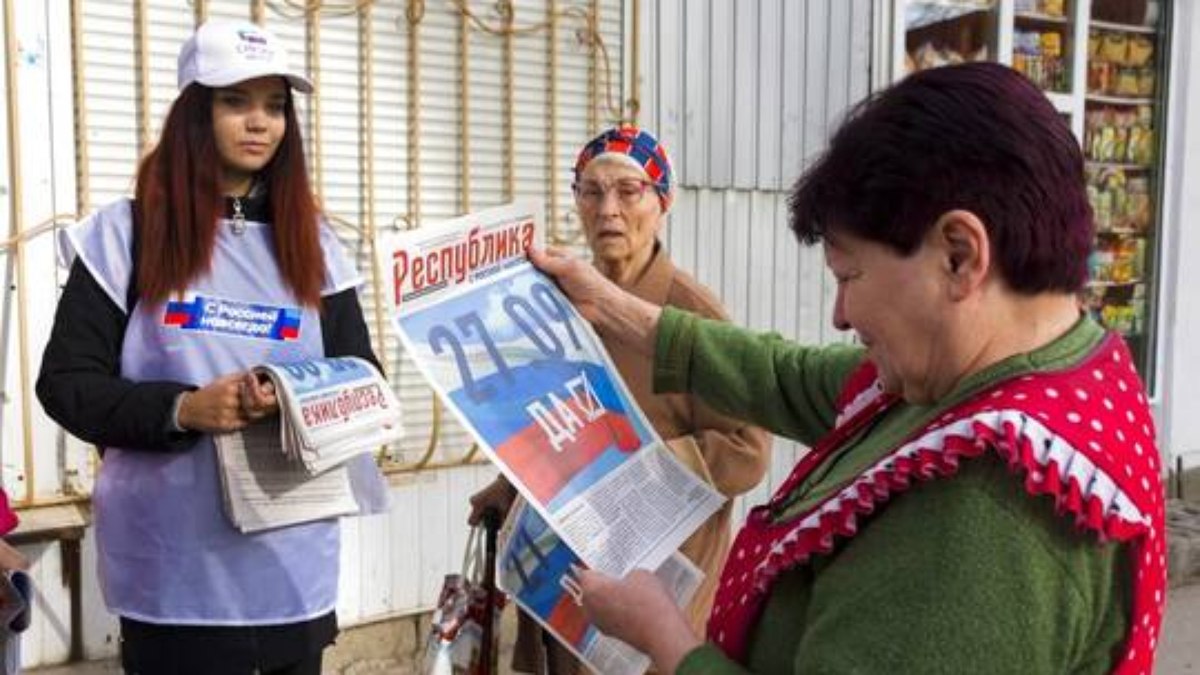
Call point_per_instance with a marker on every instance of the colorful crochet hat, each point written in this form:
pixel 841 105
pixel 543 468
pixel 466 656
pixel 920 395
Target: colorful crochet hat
pixel 638 147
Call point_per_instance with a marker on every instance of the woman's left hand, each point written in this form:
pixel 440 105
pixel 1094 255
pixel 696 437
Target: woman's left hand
pixel 638 611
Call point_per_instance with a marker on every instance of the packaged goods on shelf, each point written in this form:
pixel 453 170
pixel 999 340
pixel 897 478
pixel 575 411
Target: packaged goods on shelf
pixel 1120 64
pixel 1121 134
pixel 1119 203
pixel 1117 260
pixel 1039 56
pixel 1055 8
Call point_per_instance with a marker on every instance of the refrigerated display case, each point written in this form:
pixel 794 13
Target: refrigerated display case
pixel 1123 113
pixel 1101 64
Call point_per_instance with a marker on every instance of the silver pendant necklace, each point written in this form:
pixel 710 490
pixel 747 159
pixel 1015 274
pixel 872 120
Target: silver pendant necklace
pixel 239 218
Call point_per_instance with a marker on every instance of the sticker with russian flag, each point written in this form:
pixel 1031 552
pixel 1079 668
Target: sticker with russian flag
pixel 233 317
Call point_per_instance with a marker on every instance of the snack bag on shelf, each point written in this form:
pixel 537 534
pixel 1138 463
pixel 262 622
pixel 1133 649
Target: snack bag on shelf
pixel 1100 261
pixel 1126 82
pixel 1141 50
pixel 1102 211
pixel 1052 55
pixel 1138 204
pixel 1143 152
pixel 1100 76
pixel 1146 77
pixel 1114 47
pixel 1053 7
pixel 1124 266
pixel 1119 318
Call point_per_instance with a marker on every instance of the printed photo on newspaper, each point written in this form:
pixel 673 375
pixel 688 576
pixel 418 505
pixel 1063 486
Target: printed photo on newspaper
pixel 527 375
pixel 533 564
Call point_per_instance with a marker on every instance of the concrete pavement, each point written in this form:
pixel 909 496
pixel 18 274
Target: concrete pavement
pixel 1178 654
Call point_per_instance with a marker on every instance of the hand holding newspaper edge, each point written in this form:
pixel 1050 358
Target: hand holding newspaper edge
pixel 332 409
pixel 291 468
pixel 536 570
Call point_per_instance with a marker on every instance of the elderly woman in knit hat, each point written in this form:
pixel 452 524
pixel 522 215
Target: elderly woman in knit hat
pixel 623 189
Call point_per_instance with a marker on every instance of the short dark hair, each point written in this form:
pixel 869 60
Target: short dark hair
pixel 978 137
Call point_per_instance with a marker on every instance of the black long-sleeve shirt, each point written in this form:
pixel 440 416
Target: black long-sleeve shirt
pixel 80 385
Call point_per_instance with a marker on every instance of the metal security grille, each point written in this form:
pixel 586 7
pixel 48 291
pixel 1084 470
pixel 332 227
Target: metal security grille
pixel 424 109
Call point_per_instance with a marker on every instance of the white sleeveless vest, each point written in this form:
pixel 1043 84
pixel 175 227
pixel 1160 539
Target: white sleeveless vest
pixel 167 553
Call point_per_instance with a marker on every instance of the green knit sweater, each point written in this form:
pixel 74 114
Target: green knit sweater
pixel 961 575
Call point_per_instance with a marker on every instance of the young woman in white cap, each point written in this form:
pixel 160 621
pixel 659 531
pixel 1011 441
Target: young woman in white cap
pixel 224 225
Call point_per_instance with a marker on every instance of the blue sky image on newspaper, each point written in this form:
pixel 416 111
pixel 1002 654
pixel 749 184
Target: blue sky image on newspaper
pixel 530 377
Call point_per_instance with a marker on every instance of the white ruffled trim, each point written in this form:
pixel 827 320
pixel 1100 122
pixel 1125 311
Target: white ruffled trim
pixel 1049 448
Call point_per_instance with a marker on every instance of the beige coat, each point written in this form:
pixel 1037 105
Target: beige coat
pixel 729 454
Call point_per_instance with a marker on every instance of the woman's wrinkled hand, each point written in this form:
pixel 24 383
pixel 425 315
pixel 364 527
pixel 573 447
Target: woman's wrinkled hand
pixel 623 315
pixel 638 611
pixel 587 288
pixel 228 403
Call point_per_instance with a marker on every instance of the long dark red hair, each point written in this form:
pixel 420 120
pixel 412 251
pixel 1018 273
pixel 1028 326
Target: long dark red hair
pixel 178 202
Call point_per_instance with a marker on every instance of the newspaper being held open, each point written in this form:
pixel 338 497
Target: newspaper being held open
pixel 529 378
pixel 533 568
pixel 292 468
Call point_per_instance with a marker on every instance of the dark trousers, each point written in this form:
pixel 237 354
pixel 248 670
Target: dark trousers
pixel 286 649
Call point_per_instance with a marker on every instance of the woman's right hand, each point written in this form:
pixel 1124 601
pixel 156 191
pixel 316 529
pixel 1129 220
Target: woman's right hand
pixel 623 315
pixel 216 407
pixel 638 611
pixel 587 288
pixel 499 495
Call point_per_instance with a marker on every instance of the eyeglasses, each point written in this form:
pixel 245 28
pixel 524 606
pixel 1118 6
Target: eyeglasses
pixel 630 192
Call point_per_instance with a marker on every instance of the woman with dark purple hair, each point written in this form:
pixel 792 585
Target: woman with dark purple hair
pixel 983 493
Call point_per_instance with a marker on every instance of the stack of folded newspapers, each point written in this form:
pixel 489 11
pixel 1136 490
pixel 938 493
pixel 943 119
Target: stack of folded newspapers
pixel 292 468
pixel 332 410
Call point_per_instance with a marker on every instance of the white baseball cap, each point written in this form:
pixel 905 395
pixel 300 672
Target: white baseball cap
pixel 226 51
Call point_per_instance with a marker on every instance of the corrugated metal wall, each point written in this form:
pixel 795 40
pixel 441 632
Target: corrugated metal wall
pixel 744 94
pixel 410 180
pixel 425 111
